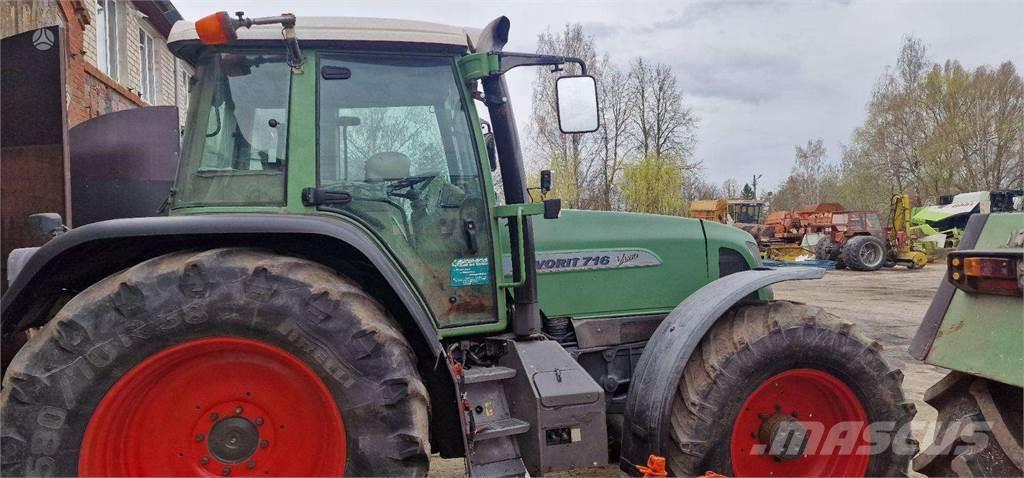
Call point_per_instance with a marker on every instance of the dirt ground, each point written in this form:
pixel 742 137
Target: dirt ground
pixel 886 305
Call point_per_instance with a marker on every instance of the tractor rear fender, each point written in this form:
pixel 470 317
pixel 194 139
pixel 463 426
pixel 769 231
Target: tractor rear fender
pixel 658 372
pixel 73 261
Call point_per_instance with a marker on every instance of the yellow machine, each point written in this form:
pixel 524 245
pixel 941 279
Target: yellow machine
pixel 903 244
pixel 716 210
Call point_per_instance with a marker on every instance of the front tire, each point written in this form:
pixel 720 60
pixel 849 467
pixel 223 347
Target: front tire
pixel 782 367
pixel 224 362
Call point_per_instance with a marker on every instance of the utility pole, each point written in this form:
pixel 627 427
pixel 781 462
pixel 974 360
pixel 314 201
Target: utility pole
pixel 754 185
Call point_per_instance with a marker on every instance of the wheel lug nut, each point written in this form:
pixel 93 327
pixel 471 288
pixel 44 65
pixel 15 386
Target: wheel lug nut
pixel 199 437
pixel 238 410
pixel 264 443
pixel 251 464
pixel 204 460
pixel 259 421
pixel 214 416
pixel 226 471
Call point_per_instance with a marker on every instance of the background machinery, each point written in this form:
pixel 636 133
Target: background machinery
pixel 338 291
pixel 907 244
pixel 745 211
pixel 714 210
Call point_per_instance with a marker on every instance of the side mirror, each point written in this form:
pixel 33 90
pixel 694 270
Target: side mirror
pixel 577 104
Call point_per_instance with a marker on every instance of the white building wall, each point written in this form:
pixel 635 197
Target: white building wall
pixel 171 89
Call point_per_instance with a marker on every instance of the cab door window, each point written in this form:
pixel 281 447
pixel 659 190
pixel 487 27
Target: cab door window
pixel 394 133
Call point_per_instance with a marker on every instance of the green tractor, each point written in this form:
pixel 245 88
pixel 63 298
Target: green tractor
pixel 338 290
pixel 974 328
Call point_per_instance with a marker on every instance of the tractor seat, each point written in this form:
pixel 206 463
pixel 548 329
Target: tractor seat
pixel 387 166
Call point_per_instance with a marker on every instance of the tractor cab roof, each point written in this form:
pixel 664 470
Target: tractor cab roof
pixel 351 32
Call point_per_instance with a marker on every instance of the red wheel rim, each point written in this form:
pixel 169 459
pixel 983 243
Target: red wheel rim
pixel 210 405
pixel 827 410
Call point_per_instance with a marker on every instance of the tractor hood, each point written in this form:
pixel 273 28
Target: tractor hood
pixel 597 264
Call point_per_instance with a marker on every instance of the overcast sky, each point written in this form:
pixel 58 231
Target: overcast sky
pixel 761 76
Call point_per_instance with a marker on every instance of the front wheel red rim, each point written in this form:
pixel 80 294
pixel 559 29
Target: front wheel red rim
pixel 801 422
pixel 216 407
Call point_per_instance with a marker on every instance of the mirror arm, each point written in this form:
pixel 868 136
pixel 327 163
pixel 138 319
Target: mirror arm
pixel 509 61
pixel 287 22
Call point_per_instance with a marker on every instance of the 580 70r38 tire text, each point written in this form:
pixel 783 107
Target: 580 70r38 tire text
pixel 771 373
pixel 230 362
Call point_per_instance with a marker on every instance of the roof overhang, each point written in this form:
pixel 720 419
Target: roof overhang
pixel 355 31
pixel 161 13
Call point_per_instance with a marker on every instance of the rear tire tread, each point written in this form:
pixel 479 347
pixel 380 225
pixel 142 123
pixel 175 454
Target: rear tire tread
pixel 108 319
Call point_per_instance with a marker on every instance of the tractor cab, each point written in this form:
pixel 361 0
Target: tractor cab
pixel 371 120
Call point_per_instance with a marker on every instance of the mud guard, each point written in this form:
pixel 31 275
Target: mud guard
pixel 78 258
pixel 658 372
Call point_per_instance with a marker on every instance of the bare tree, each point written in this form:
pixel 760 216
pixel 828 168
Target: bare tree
pixel 730 189
pixel 663 126
pixel 811 181
pixel 570 156
pixel 936 129
pixel 642 116
pixel 616 117
pixel 697 187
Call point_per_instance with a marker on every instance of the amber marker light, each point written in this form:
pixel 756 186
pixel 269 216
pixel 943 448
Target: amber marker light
pixel 992 273
pixel 216 29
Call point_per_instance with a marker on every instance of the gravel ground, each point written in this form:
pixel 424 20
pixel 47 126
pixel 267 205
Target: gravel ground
pixel 887 305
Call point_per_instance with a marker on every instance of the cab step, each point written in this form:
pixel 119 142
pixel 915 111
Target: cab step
pixel 487 374
pixel 493 444
pixel 500 428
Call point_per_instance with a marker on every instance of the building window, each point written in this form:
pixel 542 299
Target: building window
pixel 147 64
pixel 180 85
pixel 106 37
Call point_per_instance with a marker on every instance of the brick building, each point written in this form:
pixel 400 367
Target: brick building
pixel 117 56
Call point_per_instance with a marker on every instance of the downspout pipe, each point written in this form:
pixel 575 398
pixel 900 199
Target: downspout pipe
pixel 526 313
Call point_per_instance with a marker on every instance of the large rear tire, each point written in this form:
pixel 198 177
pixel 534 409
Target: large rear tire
pixel 225 362
pixel 979 430
pixel 766 371
pixel 863 253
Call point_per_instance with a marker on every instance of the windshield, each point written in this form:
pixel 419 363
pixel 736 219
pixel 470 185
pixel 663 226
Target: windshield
pixel 235 148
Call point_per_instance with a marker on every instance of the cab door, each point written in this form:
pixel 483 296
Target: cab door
pixel 395 133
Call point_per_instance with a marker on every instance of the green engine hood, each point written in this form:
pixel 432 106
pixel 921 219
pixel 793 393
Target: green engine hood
pixel 596 264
